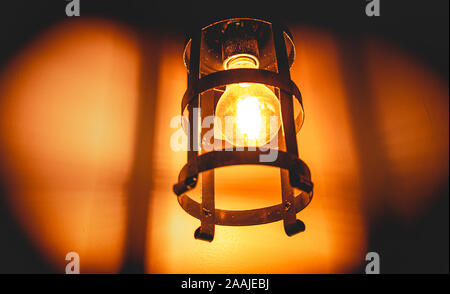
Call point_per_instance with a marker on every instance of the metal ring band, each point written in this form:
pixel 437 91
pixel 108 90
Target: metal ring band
pixel 301 178
pixel 245 217
pixel 239 75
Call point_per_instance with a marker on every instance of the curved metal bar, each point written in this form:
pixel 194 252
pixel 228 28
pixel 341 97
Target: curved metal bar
pixel 245 217
pixel 240 75
pixel 301 176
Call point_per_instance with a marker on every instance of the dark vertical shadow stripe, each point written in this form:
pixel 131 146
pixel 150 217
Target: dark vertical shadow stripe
pixel 138 190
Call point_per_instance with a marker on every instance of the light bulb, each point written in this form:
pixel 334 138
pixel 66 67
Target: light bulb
pixel 249 108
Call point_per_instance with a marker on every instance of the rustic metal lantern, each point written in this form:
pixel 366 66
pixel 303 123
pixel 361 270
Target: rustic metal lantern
pixel 226 61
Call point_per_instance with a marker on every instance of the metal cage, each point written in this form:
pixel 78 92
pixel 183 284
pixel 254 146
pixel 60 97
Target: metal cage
pixel 294 173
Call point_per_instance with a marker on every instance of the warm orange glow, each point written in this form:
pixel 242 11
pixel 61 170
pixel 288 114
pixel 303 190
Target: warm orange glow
pixel 336 234
pixel 250 107
pixel 334 240
pixel 68 123
pixel 412 103
pixel 67 131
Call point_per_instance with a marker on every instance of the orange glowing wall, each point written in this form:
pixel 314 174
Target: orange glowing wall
pixel 67 120
pixel 68 125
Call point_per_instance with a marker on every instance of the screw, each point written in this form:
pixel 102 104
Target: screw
pixel 287 205
pixel 206 212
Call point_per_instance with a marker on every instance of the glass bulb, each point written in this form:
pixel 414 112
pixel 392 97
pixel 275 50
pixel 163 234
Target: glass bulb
pixel 249 108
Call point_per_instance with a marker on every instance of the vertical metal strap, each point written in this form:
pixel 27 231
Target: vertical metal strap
pixel 280 51
pixel 291 224
pixel 193 142
pixel 207 213
pixel 206 230
pixel 193 77
pixel 289 140
pixel 286 101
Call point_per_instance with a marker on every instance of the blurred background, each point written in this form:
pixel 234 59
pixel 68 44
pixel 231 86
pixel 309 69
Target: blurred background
pixel 86 164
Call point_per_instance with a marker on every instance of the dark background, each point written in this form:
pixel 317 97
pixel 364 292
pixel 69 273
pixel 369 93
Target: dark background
pixel 419 27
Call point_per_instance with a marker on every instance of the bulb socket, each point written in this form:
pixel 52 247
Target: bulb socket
pixel 242 60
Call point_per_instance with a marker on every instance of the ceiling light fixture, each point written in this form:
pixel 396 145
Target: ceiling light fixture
pixel 238 73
